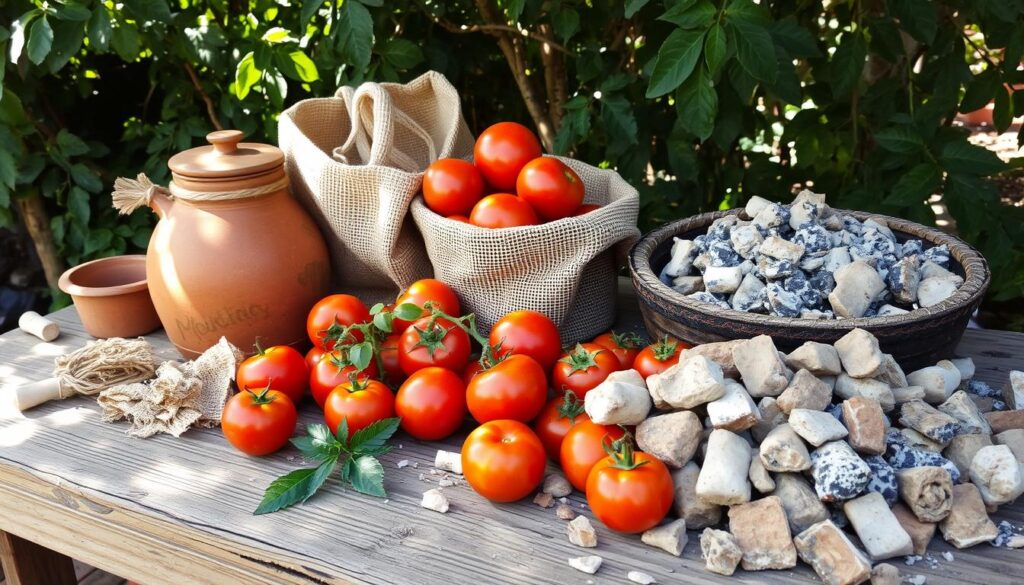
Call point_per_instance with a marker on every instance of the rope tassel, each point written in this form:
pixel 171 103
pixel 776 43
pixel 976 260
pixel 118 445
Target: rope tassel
pixel 131 194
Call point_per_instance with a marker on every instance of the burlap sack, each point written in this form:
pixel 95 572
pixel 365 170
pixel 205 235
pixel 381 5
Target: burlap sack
pixel 356 162
pixel 565 269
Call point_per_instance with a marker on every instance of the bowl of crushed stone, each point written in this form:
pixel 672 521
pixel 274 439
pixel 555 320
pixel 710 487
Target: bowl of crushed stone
pixel 808 272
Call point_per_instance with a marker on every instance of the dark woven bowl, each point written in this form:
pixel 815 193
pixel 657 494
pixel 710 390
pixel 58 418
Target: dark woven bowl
pixel 916 339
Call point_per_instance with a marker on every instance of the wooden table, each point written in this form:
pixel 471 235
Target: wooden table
pixel 177 511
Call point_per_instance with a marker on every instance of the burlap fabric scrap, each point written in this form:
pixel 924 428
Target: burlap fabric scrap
pixel 181 396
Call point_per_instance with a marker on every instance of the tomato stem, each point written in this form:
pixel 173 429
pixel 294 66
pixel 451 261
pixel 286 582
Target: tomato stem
pixel 580 359
pixel 262 397
pixel 259 348
pixel 664 349
pixel 490 355
pixel 571 407
pixel 622 451
pixel 627 340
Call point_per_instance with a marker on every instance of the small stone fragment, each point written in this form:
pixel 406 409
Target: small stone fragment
pixel 805 391
pixel 720 551
pixel 673 438
pixel 771 417
pixel 759 476
pixel 621 399
pixel 581 532
pixel 719 352
pixel 780 249
pixel 857 286
pixel 435 500
pixel 722 279
pixel 565 512
pixel 640 577
pixel 935 381
pixel 1005 420
pixel 885 574
pixel 877 527
pixel 448 461
pixel 723 479
pixel 839 473
pixel 783 450
pixel 762 532
pixel 966 367
pixel 963 409
pixel 588 564
pixel 928 421
pixel 866 424
pixel 921 533
pixel 859 353
pixel 927 491
pixel 849 387
pixel 803 508
pixel 932 291
pixel 690 383
pixel 557 485
pixel 670 537
pixel 687 285
pixel 968 523
pixel 697 512
pixel 997 474
pixel 758 362
pixel 962 449
pixel 544 500
pixel 1014 439
pixel 402 464
pixel 833 557
pixel 820 359
pixel 891 372
pixel 816 427
pixel 734 410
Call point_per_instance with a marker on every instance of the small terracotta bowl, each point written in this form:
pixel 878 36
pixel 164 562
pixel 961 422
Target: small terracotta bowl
pixel 111 296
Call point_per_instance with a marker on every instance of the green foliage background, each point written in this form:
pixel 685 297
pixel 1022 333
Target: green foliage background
pixel 700 103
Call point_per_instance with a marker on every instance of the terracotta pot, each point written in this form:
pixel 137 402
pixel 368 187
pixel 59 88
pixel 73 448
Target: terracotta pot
pixel 111 296
pixel 240 268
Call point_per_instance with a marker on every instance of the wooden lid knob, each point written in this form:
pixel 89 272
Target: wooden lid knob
pixel 225 141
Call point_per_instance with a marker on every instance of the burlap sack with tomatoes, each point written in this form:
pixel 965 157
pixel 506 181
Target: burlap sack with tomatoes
pixel 566 269
pixel 356 161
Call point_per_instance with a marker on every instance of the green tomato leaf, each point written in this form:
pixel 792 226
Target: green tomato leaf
pixel 634 6
pixel 408 312
pixel 318 444
pixel 373 437
pixel 40 39
pixel 361 354
pixel 715 48
pixel 848 64
pixel 355 34
pixel 342 435
pixel 85 178
pixel 964 157
pixel 916 186
pixel 402 54
pixel 71 145
pixel 901 139
pixel 367 476
pixel 697 103
pixel 246 75
pixel 699 14
pixel 675 61
pixel 383 321
pixel 754 49
pixel 295 487
pixel 78 204
pixel 566 22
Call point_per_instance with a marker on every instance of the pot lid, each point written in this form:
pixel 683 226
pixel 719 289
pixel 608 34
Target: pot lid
pixel 226 157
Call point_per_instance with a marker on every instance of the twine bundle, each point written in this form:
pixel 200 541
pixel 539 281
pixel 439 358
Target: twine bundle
pixel 91 369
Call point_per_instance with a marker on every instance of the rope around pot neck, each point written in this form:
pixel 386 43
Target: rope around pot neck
pixel 131 194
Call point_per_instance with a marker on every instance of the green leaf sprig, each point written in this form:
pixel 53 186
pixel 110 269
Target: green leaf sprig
pixel 356 457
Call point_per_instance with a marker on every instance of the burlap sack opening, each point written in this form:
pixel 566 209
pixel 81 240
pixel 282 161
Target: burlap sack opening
pixel 565 269
pixel 356 160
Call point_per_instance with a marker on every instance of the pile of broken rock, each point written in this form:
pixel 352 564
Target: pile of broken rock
pixel 799 451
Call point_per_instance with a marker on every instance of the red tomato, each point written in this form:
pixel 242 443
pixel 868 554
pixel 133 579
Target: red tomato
pixel 472 369
pixel 462 218
pixel 528 333
pixel 258 423
pixel 583 368
pixel 332 314
pixel 556 419
pixel 503 460
pixel 452 186
pixel 624 346
pixel 438 293
pixel 361 404
pixel 389 358
pixel 658 357
pixel 582 447
pixel 586 208
pixel 313 357
pixel 551 188
pixel 432 403
pixel 629 492
pixel 280 366
pixel 333 370
pixel 433 341
pixel 502 151
pixel 502 210
pixel 516 388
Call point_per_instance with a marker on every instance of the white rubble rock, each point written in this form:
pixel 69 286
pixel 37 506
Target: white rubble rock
pixel 581 532
pixel 1013 392
pixel 772 416
pixel 673 438
pixel 848 387
pixel 640 578
pixel 936 381
pixel 877 527
pixel 966 367
pixel 435 500
pixel 836 258
pixel 891 372
pixel 820 359
pixel 803 508
pixel 746 240
pixel 857 286
pixel 670 537
pixel 448 461
pixel 759 477
pixel 681 262
pixel 722 279
pixel 781 249
pixel 723 479
pixel 754 206
pixel 859 352
pixel 588 564
pixel 815 426
pixel 686 285
pixel 997 473
pixel 621 399
pixel 688 384
pixel 686 505
pixel 888 310
pixel 748 294
pixel 557 485
pixel 932 270
pixel 783 451
pixel 735 410
pixel 933 291
pixel 759 364
pixel 720 550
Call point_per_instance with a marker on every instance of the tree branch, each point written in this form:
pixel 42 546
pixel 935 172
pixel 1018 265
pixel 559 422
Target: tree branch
pixel 211 111
pixel 494 27
pixel 554 81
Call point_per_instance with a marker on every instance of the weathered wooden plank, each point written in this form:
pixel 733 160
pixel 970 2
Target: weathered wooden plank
pixel 167 510
pixel 27 563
